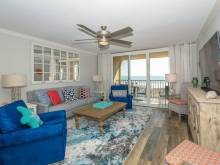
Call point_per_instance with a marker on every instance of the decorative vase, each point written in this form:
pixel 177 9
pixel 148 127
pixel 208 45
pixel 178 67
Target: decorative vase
pixel 195 82
pixel 206 82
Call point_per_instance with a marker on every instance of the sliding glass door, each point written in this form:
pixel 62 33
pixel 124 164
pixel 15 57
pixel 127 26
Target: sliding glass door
pixel 159 66
pixel 138 79
pixel 145 75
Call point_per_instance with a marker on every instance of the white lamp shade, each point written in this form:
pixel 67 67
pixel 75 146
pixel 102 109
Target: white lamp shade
pixel 171 77
pixel 97 78
pixel 13 80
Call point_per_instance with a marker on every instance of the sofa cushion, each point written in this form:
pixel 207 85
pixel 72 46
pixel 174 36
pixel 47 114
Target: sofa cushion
pixel 42 97
pixel 68 106
pixel 54 97
pixel 10 117
pixel 70 94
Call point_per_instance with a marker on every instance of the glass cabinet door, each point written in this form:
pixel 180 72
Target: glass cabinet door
pixel 38 63
pixel 56 59
pixel 63 65
pixel 47 63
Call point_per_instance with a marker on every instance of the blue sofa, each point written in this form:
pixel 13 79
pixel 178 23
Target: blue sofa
pixel 127 99
pixel 21 145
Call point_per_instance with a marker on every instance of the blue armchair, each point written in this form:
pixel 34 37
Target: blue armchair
pixel 127 99
pixel 31 146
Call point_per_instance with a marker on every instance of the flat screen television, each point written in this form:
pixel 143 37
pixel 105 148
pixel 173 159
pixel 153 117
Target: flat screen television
pixel 209 62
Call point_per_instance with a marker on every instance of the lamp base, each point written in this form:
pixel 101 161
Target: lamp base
pixel 15 94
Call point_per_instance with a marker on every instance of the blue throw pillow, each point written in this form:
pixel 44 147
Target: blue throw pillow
pixel 10 117
pixel 29 118
pixel 43 97
pixel 70 94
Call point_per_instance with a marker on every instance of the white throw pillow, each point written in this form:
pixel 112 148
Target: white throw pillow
pixel 211 95
pixel 119 93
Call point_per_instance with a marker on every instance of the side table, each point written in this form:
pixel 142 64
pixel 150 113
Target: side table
pixel 33 107
pixel 3 102
pixel 101 94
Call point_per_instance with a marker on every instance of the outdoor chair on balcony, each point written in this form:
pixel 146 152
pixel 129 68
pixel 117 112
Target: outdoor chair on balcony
pixel 163 95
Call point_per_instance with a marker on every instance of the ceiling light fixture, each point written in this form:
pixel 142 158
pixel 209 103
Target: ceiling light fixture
pixel 103 41
pixel 104 38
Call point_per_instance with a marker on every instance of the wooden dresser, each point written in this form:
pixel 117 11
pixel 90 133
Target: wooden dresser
pixel 204 119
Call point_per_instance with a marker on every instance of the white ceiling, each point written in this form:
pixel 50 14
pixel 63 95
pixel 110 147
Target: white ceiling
pixel 156 23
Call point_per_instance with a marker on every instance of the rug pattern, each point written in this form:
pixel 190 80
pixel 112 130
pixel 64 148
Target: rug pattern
pixel 86 146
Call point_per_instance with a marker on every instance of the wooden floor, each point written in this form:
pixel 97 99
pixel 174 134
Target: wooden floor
pixel 160 136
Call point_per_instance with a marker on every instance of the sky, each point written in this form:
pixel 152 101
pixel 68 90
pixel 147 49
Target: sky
pixel 158 67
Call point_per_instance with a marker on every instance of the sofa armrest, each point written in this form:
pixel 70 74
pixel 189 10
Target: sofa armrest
pixel 56 115
pixel 130 96
pixel 31 134
pixel 110 96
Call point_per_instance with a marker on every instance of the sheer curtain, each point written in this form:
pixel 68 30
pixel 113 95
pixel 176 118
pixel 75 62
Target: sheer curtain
pixel 105 68
pixel 183 62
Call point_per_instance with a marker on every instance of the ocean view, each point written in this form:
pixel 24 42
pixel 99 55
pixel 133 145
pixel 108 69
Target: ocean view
pixel 143 78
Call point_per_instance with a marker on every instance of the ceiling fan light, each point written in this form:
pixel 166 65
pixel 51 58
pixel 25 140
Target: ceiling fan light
pixel 103 41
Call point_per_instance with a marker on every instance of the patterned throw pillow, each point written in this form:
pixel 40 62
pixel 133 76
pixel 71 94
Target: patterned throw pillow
pixel 84 93
pixel 119 93
pixel 70 94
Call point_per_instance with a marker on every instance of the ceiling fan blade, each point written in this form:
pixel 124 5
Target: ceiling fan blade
pixel 87 29
pixel 86 39
pixel 121 42
pixel 81 43
pixel 84 31
pixel 124 35
pixel 121 32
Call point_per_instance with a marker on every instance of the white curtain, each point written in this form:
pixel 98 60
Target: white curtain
pixel 105 68
pixel 183 62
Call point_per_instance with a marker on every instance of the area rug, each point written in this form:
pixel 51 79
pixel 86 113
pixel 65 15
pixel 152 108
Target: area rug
pixel 86 146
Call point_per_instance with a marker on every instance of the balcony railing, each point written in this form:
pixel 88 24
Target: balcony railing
pixel 139 87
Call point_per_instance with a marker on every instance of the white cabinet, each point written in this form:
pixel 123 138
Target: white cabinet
pixel 204 119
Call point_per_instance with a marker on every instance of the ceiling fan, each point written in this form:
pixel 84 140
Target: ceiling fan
pixel 104 38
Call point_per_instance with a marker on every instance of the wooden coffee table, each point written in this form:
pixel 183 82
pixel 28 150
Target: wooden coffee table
pixel 99 115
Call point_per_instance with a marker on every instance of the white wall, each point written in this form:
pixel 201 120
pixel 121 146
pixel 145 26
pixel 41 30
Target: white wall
pixel 15 57
pixel 210 27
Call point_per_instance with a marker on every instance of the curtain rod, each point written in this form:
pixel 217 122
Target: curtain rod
pixel 193 42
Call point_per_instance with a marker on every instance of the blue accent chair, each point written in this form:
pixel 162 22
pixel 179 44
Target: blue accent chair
pixel 31 146
pixel 127 99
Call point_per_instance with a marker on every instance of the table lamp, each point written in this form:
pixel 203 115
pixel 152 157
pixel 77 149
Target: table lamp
pixel 15 82
pixel 171 78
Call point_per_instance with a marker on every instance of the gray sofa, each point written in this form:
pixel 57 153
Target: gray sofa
pixel 68 107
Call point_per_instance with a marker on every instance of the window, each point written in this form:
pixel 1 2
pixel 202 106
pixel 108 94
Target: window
pixel 53 64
